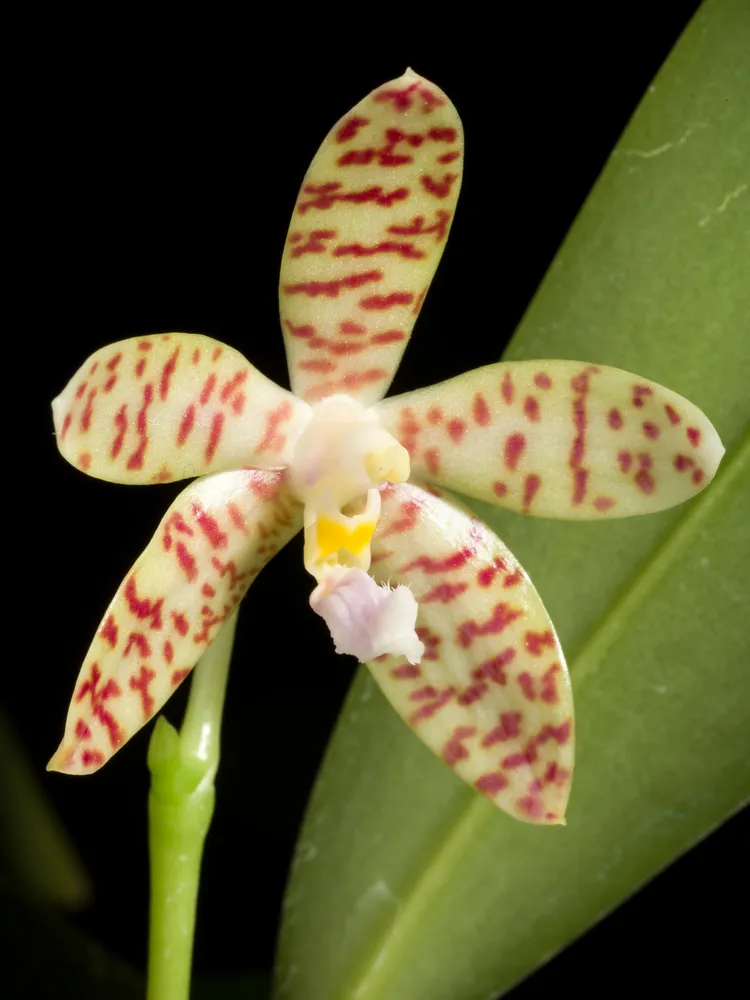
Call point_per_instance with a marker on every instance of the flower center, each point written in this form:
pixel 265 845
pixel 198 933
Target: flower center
pixel 340 461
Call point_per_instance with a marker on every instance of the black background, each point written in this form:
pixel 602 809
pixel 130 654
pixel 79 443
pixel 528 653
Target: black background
pixel 158 171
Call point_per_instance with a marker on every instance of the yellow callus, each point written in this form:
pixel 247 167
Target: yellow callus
pixel 333 535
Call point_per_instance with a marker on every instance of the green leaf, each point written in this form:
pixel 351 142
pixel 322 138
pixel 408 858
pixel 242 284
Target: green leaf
pixel 406 884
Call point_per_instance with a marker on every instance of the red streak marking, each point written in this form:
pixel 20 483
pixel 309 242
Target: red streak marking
pixel 431 642
pixel 162 476
pixel 535 642
pixel 449 157
pixel 386 301
pixel 513 579
pixel 473 693
pixel 481 410
pixel 494 668
pixel 406 671
pixel 207 590
pixel 93 368
pixel 180 622
pixel 186 424
pixel 698 476
pixel 237 517
pixel 238 403
pixel 235 578
pixel 604 503
pixel 429 565
pixel 136 459
pixel 644 460
pixel 65 426
pixel 232 384
pixel 186 561
pixel 486 575
pixel 179 675
pixel 542 380
pixel 168 651
pixel 509 729
pixel 639 392
pixel 121 423
pixel 672 414
pixel 408 429
pixel 407 251
pixel 138 639
pixel 454 750
pixel 314 243
pixel 196 355
pixel 530 489
pixel 326 195
pixel 145 345
pixel 114 362
pixel 580 482
pixel 531 409
pixel 428 710
pixel 515 760
pixel 432 461
pixel 272 440
pixel 216 353
pixel 434 415
pixel 527 685
pixel 683 462
pixel 506 388
pixel 98 696
pixel 86 415
pixel 502 616
pixel 532 806
pixel 625 459
pixel 213 441
pixel 387 337
pixel 693 436
pixel 442 134
pixel 349 383
pixel 176 521
pixel 350 127
pixel 348 327
pixel 92 758
pixel 82 731
pixel 140 684
pixel 81 389
pixel 444 593
pixel 143 608
pixel 340 348
pixel 167 372
pixel 614 419
pixel 499 489
pixel 560 734
pixel 442 188
pixel 217 538
pixel 644 481
pixel 651 430
pixel 110 383
pixel 548 687
pixel 319 366
pixel 208 388
pixel 456 429
pixel 514 446
pixel 491 783
pixel 401 98
pixel 109 630
pixel 140 367
pixel 422 693
pixel 331 289
pixel 417 227
pixel 84 460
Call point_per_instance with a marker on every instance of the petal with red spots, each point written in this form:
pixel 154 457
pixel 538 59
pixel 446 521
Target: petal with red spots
pixel 557 439
pixel 367 233
pixel 210 546
pixel 171 406
pixel 491 695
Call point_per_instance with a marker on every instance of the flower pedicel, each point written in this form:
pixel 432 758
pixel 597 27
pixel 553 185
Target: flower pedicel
pixel 407 579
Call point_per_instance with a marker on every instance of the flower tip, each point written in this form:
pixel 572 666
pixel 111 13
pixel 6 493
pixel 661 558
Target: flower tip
pixel 66 761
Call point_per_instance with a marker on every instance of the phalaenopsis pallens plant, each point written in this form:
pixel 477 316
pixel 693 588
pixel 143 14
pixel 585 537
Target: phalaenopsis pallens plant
pixel 408 580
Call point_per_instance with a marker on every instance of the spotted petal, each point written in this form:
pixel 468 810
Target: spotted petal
pixel 210 546
pixel 171 406
pixel 365 239
pixel 491 695
pixel 557 439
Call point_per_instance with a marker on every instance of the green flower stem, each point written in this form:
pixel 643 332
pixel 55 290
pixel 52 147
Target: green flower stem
pixel 181 803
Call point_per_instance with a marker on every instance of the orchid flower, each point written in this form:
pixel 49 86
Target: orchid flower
pixel 407 579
